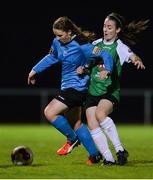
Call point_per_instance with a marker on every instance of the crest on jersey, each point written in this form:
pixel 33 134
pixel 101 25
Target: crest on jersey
pixel 51 51
pixel 96 50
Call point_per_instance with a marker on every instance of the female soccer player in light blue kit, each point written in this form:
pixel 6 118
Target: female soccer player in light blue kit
pixel 72 48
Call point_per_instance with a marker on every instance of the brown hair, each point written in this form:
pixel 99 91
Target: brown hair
pixel 65 24
pixel 129 32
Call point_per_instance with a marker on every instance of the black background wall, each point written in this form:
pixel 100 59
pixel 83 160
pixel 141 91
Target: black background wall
pixel 26 34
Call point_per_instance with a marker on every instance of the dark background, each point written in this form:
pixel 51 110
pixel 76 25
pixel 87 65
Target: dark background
pixel 26 34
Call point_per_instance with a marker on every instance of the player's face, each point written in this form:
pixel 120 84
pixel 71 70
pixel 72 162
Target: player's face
pixel 110 31
pixel 62 36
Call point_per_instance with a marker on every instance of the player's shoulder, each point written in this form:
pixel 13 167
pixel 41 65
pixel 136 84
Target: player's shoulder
pixel 120 42
pixel 121 46
pixel 97 41
pixel 55 40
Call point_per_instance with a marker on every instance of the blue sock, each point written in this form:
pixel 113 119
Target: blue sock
pixel 86 139
pixel 63 126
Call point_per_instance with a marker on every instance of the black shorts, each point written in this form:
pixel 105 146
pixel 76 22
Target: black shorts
pixel 94 100
pixel 71 97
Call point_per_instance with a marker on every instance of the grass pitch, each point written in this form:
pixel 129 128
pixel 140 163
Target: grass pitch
pixel 44 140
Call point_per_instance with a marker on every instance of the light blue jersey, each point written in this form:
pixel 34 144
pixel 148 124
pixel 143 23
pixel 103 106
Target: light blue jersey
pixel 72 55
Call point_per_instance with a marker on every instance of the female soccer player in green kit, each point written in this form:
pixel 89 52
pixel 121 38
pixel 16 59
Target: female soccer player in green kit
pixel 104 94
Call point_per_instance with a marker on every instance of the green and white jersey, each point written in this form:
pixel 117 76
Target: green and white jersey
pixel 110 85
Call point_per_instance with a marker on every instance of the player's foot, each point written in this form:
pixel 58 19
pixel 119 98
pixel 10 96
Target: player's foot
pixel 67 147
pixel 108 163
pixel 122 157
pixel 94 159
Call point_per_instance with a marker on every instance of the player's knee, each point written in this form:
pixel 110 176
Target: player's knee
pixel 49 114
pixel 90 126
pixel 100 116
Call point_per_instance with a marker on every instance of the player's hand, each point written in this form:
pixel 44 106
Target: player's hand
pixel 137 61
pixel 139 65
pixel 31 77
pixel 80 70
pixel 104 74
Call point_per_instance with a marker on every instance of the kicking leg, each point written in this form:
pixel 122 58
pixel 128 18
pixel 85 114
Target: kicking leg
pixel 52 111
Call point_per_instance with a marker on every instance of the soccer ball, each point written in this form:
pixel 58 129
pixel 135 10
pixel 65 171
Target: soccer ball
pixel 22 155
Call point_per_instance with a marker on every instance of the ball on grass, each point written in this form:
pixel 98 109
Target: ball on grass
pixel 22 155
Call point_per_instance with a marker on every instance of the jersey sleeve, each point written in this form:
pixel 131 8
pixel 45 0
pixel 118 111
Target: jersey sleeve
pixel 123 51
pixel 108 60
pixel 91 54
pixel 48 60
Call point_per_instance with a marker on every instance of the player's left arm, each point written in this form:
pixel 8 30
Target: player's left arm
pixel 107 61
pixel 137 61
pixel 92 52
pixel 127 55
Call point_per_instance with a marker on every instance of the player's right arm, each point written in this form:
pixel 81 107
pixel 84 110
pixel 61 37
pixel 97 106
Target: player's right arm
pixel 31 77
pixel 44 63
